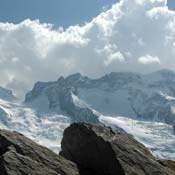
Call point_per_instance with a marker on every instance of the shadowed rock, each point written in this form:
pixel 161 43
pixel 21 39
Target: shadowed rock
pixel 97 150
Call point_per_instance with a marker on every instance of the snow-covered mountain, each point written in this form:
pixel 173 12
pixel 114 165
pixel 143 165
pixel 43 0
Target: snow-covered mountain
pixel 143 105
pixel 45 128
pixel 144 97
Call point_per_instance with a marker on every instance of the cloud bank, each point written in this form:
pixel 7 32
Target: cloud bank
pixel 134 35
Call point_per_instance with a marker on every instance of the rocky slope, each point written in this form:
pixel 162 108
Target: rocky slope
pixel 21 156
pixel 98 150
pixel 87 149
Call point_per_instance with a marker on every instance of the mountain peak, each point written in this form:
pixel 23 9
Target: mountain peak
pixel 76 77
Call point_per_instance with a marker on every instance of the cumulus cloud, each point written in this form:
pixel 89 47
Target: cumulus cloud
pixel 132 36
pixel 148 59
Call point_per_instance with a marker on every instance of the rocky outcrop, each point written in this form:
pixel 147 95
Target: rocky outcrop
pixel 21 156
pixel 77 113
pixel 86 150
pixel 98 150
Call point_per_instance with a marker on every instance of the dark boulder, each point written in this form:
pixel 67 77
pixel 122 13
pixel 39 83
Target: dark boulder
pixel 21 156
pixel 98 150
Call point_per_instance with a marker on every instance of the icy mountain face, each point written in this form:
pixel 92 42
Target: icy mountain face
pixel 45 129
pixel 144 97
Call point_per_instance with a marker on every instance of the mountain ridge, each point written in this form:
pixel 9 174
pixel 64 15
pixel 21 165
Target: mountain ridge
pixel 133 83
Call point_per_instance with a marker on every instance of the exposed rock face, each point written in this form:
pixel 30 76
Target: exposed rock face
pixel 77 113
pixel 60 95
pixel 97 150
pixel 168 163
pixel 21 156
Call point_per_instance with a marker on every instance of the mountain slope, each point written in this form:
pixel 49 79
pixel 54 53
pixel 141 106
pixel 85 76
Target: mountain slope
pixel 20 155
pixel 142 105
pixel 146 97
pixel 44 128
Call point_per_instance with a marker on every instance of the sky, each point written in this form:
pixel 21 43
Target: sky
pixel 97 37
pixel 171 4
pixel 58 12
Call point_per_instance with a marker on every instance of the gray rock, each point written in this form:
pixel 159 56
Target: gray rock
pixel 98 150
pixel 77 113
pixel 59 95
pixel 168 163
pixel 21 156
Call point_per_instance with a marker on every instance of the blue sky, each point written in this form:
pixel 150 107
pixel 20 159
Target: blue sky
pixel 58 12
pixel 171 4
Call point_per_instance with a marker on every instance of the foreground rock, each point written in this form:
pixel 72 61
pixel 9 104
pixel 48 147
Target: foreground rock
pixel 21 156
pixel 87 149
pixel 98 150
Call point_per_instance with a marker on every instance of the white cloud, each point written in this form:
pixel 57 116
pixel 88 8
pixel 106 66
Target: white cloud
pixel 117 56
pixel 116 40
pixel 148 59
